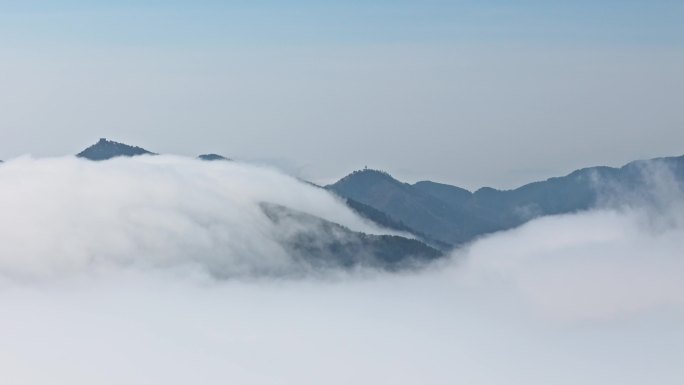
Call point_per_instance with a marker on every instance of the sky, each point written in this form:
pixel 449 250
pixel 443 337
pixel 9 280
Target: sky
pixel 472 93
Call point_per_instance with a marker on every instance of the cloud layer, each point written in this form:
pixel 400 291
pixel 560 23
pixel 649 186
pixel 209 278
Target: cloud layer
pixel 67 215
pixel 592 298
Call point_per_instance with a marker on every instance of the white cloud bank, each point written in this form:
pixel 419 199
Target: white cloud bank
pixel 592 298
pixel 67 215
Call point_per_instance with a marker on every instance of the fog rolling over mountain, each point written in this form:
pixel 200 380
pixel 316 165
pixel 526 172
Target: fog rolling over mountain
pixel 181 201
pixel 444 216
pixel 324 244
pixel 132 265
pixel 224 219
pixel 440 216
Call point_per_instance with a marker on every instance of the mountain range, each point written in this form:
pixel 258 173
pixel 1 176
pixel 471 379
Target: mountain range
pixel 453 215
pixel 437 217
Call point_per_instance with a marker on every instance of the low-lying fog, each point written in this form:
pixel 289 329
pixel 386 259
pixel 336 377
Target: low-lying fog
pixel 105 278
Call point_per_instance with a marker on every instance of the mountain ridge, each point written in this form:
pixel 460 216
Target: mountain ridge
pixel 443 215
pixel 107 149
pixel 466 215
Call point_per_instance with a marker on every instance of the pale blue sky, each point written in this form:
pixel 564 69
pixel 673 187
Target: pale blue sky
pixel 221 23
pixel 467 92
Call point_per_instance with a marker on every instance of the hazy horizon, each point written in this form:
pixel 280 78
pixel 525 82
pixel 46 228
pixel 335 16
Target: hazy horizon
pixel 467 93
pixel 292 170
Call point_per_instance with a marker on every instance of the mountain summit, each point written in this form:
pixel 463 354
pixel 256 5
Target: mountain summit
pixel 106 149
pixel 415 206
pixel 212 157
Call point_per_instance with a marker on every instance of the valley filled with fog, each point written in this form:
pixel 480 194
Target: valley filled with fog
pixel 166 269
pixel 341 192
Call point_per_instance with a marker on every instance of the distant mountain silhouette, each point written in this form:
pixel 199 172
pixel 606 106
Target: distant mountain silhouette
pixel 454 215
pixel 106 149
pixel 211 157
pixel 442 216
pixel 417 209
pixel 319 243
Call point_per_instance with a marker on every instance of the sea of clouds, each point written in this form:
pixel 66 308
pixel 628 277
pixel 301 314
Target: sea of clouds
pixel 67 215
pixel 108 276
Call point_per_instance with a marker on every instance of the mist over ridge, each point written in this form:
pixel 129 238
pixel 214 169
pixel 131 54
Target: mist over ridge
pixel 591 297
pixel 104 265
pixel 443 216
pixel 341 192
pixel 157 211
